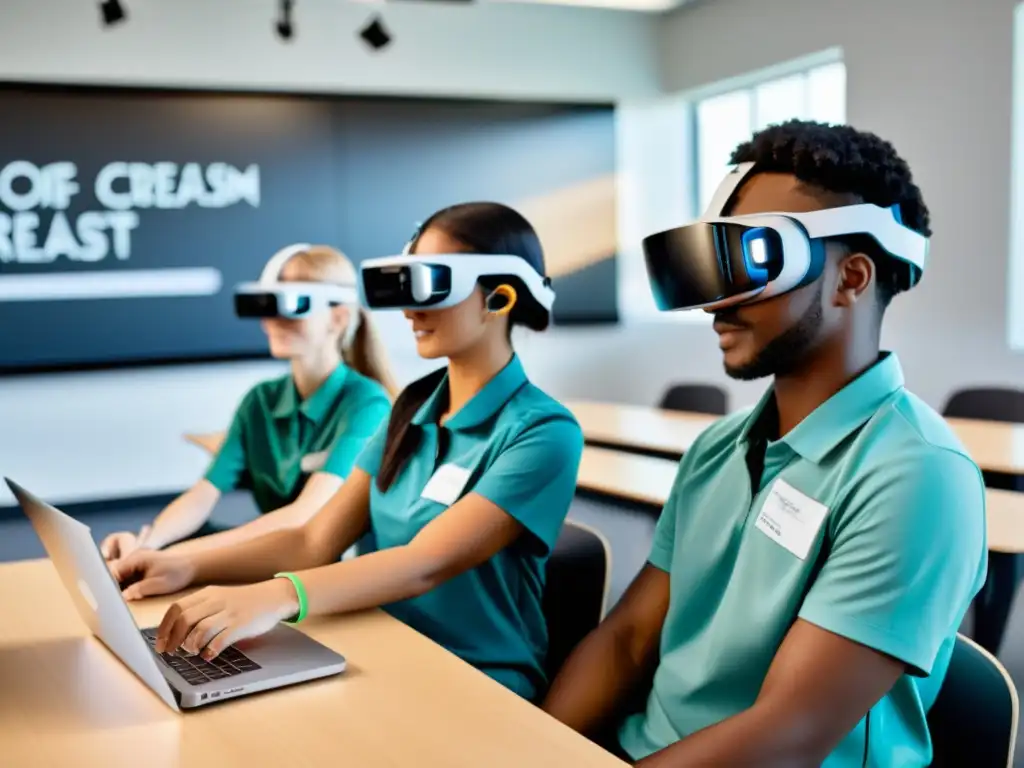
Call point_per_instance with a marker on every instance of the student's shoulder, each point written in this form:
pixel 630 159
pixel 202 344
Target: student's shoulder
pixel 532 409
pixel 362 390
pixel 908 444
pixel 531 403
pixel 909 431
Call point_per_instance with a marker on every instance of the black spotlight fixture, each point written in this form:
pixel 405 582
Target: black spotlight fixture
pixel 285 26
pixel 375 34
pixel 112 12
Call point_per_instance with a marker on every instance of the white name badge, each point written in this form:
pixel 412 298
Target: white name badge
pixel 313 462
pixel 792 519
pixel 446 485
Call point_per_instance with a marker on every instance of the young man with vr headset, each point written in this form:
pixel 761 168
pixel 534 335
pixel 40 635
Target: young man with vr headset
pixel 817 553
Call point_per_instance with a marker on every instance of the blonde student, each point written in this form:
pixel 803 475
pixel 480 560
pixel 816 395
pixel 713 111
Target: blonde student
pixel 461 497
pixel 294 439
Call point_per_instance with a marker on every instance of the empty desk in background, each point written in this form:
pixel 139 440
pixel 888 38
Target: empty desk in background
pixel 209 441
pixel 647 480
pixel 997 447
pixel 66 700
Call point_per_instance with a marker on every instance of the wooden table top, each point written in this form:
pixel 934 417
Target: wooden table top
pixel 404 701
pixel 994 446
pixel 648 480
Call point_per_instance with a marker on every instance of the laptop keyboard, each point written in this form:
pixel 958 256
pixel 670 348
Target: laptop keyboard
pixel 198 671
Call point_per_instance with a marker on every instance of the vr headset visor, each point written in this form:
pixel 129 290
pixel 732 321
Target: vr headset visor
pixel 272 297
pixel 437 281
pixel 720 261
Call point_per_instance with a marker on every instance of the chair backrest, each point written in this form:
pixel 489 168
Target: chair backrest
pixel 698 398
pixel 576 594
pixel 974 718
pixel 991 404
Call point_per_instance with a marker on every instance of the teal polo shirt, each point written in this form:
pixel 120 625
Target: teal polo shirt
pixel 277 439
pixel 868 520
pixel 520 449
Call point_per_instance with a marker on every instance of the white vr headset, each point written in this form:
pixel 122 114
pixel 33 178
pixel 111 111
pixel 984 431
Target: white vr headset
pixel 719 261
pixel 437 281
pixel 272 297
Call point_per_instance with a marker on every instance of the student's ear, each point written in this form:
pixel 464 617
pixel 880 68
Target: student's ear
pixel 340 317
pixel 855 274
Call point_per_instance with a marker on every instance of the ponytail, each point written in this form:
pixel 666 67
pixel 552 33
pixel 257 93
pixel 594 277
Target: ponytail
pixel 403 436
pixel 362 350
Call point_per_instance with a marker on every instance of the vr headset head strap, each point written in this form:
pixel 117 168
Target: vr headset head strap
pixel 727 190
pixel 272 272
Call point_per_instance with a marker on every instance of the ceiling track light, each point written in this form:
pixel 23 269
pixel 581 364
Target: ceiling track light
pixel 285 25
pixel 112 12
pixel 375 34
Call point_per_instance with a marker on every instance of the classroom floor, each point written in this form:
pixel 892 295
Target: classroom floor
pixel 629 531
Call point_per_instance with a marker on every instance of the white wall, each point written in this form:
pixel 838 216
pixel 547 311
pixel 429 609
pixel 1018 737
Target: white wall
pixel 934 78
pixel 79 437
pixel 482 49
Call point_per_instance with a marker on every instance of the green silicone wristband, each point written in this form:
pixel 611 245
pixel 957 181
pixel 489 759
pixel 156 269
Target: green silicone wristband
pixel 300 590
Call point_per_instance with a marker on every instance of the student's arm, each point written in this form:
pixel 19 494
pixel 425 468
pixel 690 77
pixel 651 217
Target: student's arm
pixel 182 517
pixel 317 491
pixel 606 669
pixel 907 558
pixel 332 530
pixel 364 423
pixel 538 467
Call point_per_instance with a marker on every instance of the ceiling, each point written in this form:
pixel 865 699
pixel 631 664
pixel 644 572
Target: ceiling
pixel 648 6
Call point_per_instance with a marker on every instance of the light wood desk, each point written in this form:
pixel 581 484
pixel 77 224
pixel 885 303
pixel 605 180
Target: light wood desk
pixel 639 428
pixel 404 701
pixel 995 446
pixel 209 442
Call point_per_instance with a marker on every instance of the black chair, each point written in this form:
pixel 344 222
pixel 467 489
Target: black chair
pixel 697 398
pixel 577 590
pixel 988 403
pixel 974 719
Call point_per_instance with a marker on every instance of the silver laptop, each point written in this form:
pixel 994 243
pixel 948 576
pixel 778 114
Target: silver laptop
pixel 283 656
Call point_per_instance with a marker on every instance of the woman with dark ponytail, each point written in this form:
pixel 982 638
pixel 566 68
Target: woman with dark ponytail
pixel 459 500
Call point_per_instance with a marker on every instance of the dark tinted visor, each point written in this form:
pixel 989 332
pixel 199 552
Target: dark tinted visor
pixel 703 263
pixel 255 305
pixel 419 285
pixel 266 305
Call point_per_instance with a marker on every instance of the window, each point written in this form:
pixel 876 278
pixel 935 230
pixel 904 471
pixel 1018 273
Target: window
pixel 725 120
pixel 1015 310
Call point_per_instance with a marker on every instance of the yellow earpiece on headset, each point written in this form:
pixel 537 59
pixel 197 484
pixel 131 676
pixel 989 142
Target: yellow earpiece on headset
pixel 501 300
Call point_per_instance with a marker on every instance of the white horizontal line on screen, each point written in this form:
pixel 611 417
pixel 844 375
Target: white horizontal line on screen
pixel 112 284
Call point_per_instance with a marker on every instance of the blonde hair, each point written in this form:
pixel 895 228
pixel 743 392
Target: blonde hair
pixel 360 345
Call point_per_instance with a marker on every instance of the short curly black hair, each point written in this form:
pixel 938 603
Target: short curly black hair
pixel 841 159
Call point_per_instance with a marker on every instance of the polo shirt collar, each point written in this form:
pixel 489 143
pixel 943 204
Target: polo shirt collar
pixel 315 406
pixel 835 419
pixel 483 405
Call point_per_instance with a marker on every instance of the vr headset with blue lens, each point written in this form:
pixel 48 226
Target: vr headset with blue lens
pixel 272 297
pixel 720 261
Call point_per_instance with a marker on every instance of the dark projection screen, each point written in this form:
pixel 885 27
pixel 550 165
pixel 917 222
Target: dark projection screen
pixel 126 216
